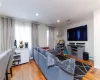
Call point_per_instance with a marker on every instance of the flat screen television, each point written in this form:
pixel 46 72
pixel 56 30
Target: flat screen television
pixel 77 34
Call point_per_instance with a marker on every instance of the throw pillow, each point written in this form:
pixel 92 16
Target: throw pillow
pixel 50 59
pixel 41 50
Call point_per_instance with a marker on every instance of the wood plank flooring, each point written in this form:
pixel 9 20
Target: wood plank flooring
pixel 30 71
pixel 92 74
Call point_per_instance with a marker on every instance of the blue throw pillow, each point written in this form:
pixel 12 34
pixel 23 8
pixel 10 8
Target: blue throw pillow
pixel 41 50
pixel 37 48
pixel 50 59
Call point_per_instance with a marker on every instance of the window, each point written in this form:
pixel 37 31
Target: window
pixel 23 32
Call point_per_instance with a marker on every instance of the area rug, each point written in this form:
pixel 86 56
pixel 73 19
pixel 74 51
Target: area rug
pixel 80 70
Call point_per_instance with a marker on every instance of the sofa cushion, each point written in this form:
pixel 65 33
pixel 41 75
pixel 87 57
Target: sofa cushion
pixel 53 51
pixel 36 48
pixel 67 65
pixel 50 59
pixel 42 51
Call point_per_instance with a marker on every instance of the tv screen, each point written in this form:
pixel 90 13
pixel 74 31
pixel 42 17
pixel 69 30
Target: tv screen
pixel 77 34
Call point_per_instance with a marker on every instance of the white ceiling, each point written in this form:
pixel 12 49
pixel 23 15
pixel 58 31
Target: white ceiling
pixel 49 10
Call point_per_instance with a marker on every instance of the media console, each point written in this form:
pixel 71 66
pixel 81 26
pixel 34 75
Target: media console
pixel 76 50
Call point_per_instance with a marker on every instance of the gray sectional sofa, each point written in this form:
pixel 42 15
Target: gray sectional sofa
pixel 53 72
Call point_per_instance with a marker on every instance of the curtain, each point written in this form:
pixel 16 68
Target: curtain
pixel 47 37
pixel 34 34
pixel 23 32
pixel 6 33
pixel 51 37
pixel 43 35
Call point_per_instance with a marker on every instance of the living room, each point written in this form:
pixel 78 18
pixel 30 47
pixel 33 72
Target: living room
pixel 49 40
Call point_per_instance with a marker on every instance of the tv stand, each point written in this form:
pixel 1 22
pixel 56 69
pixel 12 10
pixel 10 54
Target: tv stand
pixel 76 50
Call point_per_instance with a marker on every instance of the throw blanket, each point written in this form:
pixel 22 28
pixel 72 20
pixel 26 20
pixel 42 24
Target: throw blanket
pixel 67 65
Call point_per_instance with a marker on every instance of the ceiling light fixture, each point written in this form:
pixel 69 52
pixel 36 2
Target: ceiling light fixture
pixel 58 21
pixel 0 4
pixel 37 14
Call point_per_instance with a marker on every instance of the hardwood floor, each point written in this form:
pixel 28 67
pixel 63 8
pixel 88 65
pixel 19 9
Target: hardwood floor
pixel 28 71
pixel 92 74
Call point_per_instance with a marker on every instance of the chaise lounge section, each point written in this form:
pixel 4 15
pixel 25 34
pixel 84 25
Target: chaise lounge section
pixel 52 72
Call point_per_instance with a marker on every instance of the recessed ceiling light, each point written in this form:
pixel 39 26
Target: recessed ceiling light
pixel 37 14
pixel 58 21
pixel 0 4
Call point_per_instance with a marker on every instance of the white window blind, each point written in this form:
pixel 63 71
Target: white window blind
pixel 23 32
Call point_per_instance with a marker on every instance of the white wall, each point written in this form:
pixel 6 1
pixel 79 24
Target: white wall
pixel 58 33
pixel 97 39
pixel 42 33
pixel 89 45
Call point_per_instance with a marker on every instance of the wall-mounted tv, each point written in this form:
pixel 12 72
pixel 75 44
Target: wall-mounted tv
pixel 77 34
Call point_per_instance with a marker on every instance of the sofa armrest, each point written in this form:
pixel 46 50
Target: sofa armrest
pixel 42 63
pixel 56 73
pixel 52 73
pixel 36 56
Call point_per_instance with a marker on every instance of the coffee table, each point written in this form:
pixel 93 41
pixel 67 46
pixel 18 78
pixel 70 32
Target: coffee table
pixel 62 57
